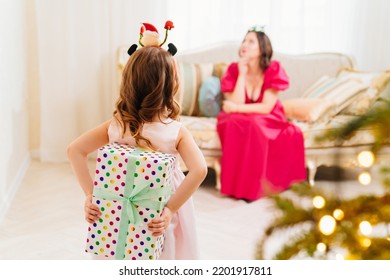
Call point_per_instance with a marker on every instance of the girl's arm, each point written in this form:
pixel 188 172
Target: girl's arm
pixel 265 107
pixel 197 171
pixel 78 152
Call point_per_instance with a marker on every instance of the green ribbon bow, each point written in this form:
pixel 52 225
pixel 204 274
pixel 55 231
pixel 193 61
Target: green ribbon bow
pixel 141 195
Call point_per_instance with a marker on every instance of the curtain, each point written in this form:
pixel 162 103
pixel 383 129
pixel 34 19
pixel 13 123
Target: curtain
pixel 75 50
pixel 77 41
pixel 370 43
pixel 354 27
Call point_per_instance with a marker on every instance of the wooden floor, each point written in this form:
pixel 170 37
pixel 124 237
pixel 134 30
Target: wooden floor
pixel 45 220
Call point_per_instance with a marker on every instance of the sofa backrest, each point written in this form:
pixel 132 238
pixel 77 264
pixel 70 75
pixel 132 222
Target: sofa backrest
pixel 197 64
pixel 303 70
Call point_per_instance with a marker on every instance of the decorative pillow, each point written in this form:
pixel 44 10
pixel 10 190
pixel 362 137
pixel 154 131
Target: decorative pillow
pixel 385 93
pixel 210 97
pixel 321 84
pixel 378 85
pixel 191 76
pixel 219 69
pixel 308 109
pixel 342 91
pixel 362 103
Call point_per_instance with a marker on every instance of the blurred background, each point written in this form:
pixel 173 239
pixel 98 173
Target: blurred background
pixel 58 58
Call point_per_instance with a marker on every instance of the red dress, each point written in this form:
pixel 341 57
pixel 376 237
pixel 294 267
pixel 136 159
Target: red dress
pixel 261 153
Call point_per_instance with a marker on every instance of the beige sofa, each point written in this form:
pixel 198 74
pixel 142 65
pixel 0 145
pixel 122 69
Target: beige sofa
pixel 325 92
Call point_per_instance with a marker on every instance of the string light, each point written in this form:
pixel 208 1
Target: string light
pixel 365 178
pixel 366 158
pixel 318 202
pixel 365 228
pixel 338 214
pixel 327 225
pixel 321 247
pixel 388 234
pixel 365 242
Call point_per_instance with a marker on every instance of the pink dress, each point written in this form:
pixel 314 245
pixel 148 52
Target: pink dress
pixel 261 153
pixel 180 237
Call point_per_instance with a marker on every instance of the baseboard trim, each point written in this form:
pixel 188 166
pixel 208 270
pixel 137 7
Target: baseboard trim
pixel 15 185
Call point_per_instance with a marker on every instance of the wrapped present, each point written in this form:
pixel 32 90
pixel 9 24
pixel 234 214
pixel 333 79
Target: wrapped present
pixel 131 187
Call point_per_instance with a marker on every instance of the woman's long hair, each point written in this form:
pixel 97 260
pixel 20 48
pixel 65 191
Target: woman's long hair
pixel 149 84
pixel 265 47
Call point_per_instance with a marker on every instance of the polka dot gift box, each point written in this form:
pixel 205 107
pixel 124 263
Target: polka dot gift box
pixel 131 187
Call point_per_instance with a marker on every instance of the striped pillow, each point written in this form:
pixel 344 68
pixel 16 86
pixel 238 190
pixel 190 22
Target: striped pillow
pixel 378 85
pixel 191 76
pixel 342 91
pixel 321 84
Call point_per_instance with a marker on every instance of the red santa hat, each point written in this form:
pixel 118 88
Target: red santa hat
pixel 149 30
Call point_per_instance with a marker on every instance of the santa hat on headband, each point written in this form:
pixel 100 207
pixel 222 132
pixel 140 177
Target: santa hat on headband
pixel 149 37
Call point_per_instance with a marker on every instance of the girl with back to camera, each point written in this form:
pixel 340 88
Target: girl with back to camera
pixel 145 116
pixel 262 153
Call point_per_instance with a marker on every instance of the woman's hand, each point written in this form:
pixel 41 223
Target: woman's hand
pixel 243 65
pixel 92 211
pixel 160 224
pixel 230 106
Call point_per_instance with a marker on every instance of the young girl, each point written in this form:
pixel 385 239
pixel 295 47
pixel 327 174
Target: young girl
pixel 145 116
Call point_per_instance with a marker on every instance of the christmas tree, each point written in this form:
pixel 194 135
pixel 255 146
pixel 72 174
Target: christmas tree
pixel 323 225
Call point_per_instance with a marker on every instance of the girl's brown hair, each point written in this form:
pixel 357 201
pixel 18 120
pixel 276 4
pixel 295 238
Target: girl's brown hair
pixel 149 84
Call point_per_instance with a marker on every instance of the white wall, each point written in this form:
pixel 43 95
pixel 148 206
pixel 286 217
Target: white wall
pixel 14 146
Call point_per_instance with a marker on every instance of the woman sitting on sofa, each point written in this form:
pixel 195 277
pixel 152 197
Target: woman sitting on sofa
pixel 262 153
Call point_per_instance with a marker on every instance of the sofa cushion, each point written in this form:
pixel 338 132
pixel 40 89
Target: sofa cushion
pixel 308 109
pixel 204 131
pixel 363 136
pixel 378 85
pixel 342 90
pixel 210 97
pixel 191 76
pixel 206 137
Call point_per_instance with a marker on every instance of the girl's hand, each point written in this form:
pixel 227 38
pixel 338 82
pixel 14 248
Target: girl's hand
pixel 92 211
pixel 229 106
pixel 160 224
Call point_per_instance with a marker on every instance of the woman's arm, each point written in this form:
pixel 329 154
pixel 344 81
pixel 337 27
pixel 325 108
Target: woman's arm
pixel 265 107
pixel 197 171
pixel 238 94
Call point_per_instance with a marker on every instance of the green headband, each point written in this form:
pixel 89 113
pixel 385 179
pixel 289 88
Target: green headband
pixel 257 28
